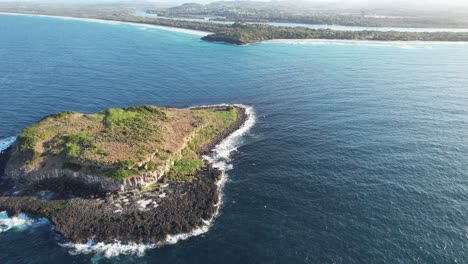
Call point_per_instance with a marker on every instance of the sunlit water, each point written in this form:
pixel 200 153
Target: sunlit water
pixel 358 153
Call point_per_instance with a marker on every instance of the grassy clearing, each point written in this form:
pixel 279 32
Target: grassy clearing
pixel 116 117
pixel 95 117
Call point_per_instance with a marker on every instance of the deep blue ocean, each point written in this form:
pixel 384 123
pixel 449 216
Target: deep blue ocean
pixel 359 153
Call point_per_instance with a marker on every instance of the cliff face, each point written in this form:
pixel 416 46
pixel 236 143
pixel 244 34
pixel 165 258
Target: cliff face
pixel 4 157
pixel 82 181
pixel 94 182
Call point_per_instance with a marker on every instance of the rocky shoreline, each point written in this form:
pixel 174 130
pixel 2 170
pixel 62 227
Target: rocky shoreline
pixel 223 39
pixel 134 216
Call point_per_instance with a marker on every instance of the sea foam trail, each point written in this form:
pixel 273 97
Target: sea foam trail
pixel 6 142
pixel 220 158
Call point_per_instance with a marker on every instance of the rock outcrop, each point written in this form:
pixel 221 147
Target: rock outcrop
pixel 144 208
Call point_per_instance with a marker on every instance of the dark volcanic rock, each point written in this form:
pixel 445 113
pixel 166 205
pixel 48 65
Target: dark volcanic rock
pixel 5 183
pixel 137 217
pixel 4 156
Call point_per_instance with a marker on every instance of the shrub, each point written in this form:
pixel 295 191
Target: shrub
pixel 71 151
pixel 117 117
pixel 95 117
pixel 151 166
pixel 74 142
pixel 184 167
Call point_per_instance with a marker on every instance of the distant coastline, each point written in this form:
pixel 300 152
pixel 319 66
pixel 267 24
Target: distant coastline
pixel 236 37
pixel 105 21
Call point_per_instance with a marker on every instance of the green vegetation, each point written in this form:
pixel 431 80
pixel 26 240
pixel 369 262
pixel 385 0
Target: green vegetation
pixel 184 168
pixel 121 173
pixel 189 161
pixel 95 117
pixel 73 143
pixel 27 142
pixel 290 12
pixel 243 33
pixel 118 117
pixel 151 166
pixel 122 142
pixel 31 136
pixel 61 114
pixel 133 122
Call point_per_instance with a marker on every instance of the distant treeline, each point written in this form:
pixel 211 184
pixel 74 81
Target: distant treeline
pixel 256 11
pixel 243 33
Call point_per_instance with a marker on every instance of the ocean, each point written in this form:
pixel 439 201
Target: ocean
pixel 358 153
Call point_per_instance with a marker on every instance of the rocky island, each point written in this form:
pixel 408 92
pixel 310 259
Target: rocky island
pixel 131 174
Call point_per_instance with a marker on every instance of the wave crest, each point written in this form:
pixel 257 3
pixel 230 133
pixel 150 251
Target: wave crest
pixel 6 142
pixel 18 223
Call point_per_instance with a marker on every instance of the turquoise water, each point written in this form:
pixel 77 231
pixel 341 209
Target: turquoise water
pixel 359 153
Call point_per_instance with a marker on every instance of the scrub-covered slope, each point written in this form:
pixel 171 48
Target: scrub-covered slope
pixel 119 148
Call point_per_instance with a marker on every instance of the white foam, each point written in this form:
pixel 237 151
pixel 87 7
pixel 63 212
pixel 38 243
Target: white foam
pixel 172 239
pixel 109 250
pixel 220 157
pixel 18 223
pixel 6 142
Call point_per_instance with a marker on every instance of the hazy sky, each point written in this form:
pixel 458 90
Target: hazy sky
pixel 344 3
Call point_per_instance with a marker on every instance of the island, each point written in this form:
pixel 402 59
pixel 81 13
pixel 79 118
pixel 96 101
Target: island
pixel 134 174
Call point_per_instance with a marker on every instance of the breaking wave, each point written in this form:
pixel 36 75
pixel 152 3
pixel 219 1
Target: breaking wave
pixel 18 223
pixel 219 158
pixel 108 250
pixel 6 142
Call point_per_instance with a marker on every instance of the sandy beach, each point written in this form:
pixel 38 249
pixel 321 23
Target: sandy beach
pixel 180 30
pixel 364 42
